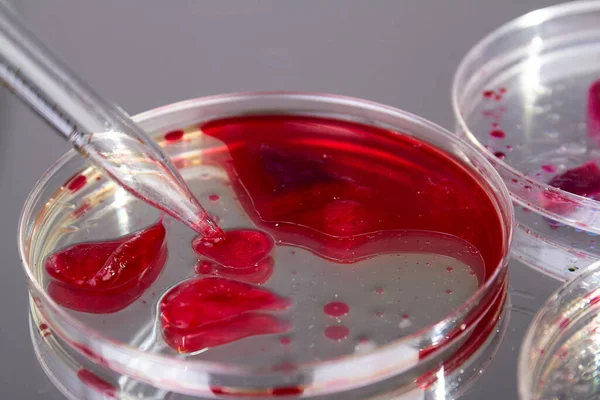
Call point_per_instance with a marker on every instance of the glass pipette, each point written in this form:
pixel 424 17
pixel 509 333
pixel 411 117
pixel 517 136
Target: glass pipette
pixel 102 132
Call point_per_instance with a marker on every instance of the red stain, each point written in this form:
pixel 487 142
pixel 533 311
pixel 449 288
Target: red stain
pixel 501 155
pixel 286 341
pixel 336 309
pixel 81 210
pixel 77 183
pixel 548 168
pixel 488 94
pixel 213 197
pixel 105 277
pixel 275 392
pixel 498 134
pixel 93 381
pixel 593 112
pixel 174 136
pixel 337 333
pixel 212 311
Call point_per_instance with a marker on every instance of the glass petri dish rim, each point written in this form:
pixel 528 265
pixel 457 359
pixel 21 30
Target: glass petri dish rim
pixel 508 173
pixel 450 324
pixel 572 299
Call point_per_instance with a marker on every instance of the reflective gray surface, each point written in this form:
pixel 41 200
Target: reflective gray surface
pixel 146 53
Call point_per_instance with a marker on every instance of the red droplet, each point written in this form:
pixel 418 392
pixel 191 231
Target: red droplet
pixel 337 333
pixel 500 155
pixel 213 197
pixel 242 248
pixel 287 391
pixel 212 311
pixel 77 183
pixel 593 112
pixel 105 277
pixel 502 90
pixel 336 309
pixel 93 381
pixel 498 134
pixel 449 269
pixel 405 316
pixel 286 341
pixel 174 136
pixel 81 210
pixel 379 290
pixel 43 327
pixel 488 93
pixel 448 291
pixel 527 188
pixel 548 168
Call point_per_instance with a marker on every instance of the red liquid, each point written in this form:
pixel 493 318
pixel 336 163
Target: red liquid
pixel 242 248
pixel 336 309
pixel 583 181
pixel 92 380
pixel 208 312
pixel 105 277
pixel 593 113
pixel 348 191
pixel 174 136
pixel 77 183
pixel 337 333
pixel 498 134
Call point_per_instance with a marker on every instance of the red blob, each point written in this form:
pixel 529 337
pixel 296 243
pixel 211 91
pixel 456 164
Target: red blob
pixel 93 381
pixel 500 155
pixel 275 392
pixel 213 197
pixel 593 113
pixel 174 136
pixel 105 277
pixel 337 333
pixel 498 134
pixel 548 168
pixel 488 94
pixel 286 341
pixel 242 248
pixel 77 183
pixel 336 309
pixel 212 311
pixel 583 181
pixel 345 190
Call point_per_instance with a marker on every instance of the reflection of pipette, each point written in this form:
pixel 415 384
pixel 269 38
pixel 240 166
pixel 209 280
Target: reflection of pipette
pixel 100 131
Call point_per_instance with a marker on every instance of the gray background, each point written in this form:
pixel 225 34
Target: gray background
pixel 147 53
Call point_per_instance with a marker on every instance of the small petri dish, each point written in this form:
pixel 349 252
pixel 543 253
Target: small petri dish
pixel 559 357
pixel 527 97
pixel 356 234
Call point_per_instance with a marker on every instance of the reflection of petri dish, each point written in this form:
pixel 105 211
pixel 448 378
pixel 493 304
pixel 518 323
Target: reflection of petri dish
pixel 559 357
pixel 78 377
pixel 526 97
pixel 396 298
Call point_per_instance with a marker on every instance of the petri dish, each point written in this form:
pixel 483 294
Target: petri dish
pixel 339 286
pixel 559 356
pixel 526 97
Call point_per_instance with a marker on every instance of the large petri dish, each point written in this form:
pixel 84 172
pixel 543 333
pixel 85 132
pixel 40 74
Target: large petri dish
pixel 402 312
